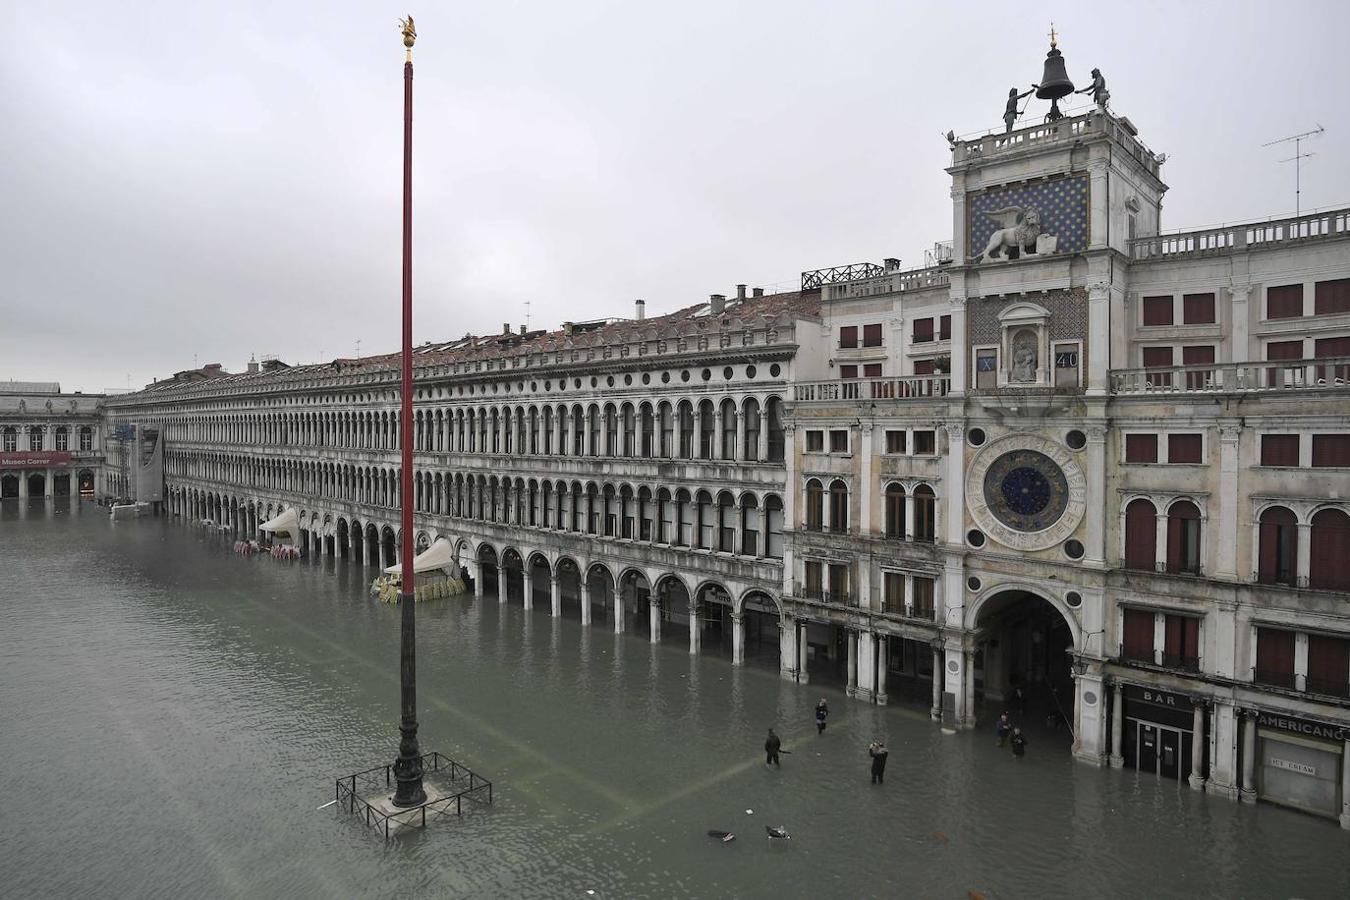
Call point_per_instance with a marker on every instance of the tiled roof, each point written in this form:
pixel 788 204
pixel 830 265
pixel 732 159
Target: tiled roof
pixel 29 387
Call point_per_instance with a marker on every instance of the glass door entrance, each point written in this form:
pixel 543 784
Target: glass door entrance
pixel 1150 747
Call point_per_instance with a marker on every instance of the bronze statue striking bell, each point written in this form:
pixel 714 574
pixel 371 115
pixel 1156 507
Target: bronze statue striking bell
pixel 1055 81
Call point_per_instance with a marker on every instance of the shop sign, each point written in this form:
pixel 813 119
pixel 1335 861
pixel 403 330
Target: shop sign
pixel 33 458
pixel 1155 697
pixel 1303 726
pixel 1289 766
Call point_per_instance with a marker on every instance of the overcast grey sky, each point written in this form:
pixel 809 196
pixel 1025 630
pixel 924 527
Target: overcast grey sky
pixel 220 179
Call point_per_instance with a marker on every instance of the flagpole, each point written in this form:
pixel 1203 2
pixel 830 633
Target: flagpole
pixel 408 766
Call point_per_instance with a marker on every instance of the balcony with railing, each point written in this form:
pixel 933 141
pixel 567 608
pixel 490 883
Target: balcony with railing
pixel 1314 226
pixel 912 387
pixel 1330 373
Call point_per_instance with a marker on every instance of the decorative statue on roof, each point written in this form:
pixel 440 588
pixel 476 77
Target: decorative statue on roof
pixel 1011 113
pixel 1100 95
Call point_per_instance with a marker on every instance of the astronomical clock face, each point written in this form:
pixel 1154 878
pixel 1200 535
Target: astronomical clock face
pixel 1026 492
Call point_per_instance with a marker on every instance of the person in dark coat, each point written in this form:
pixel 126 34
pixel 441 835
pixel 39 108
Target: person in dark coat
pixel 1019 743
pixel 877 750
pixel 771 747
pixel 822 711
pixel 1003 728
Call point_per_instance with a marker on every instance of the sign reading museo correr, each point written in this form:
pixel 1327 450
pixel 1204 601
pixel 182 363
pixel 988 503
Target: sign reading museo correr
pixel 1324 730
pixel 33 458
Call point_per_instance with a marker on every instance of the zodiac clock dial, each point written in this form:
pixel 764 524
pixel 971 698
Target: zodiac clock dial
pixel 1026 491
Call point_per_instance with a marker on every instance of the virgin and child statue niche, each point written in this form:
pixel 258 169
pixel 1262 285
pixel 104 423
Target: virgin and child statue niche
pixel 1023 360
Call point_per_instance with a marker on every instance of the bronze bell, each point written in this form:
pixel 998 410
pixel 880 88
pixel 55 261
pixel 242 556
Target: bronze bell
pixel 1055 81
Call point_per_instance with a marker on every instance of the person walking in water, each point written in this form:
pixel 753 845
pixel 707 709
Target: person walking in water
pixel 822 712
pixel 1003 728
pixel 877 750
pixel 1019 743
pixel 771 747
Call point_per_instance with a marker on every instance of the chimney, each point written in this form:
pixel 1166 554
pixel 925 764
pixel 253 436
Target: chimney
pixel 717 303
pixel 522 330
pixel 740 292
pixel 253 365
pixel 892 264
pixel 641 312
pixel 506 328
pixel 567 328
pixel 759 292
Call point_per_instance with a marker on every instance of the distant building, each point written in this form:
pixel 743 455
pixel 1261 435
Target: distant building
pixel 51 443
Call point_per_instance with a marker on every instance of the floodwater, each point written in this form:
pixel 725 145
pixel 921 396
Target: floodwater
pixel 172 714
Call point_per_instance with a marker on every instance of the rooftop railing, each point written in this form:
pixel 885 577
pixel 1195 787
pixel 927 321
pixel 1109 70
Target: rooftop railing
pixel 1312 226
pixel 913 387
pixel 1332 373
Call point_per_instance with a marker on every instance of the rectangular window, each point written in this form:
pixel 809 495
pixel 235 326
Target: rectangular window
pixel 1284 302
pixel 1141 448
pixel 1328 665
pixel 1274 657
pixel 814 581
pixel 945 328
pixel 848 337
pixel 923 330
pixel 1158 358
pixel 872 335
pixel 893 592
pixel 838 583
pixel 62 439
pixel 847 372
pixel 1181 643
pixel 1197 309
pixel 923 597
pixel 1157 310
pixel 1066 365
pixel 1331 297
pixel 872 370
pixel 1184 448
pixel 925 443
pixel 1284 350
pixel 86 439
pixel 986 368
pixel 1331 451
pixel 1279 450
pixel 839 441
pixel 925 366
pixel 1326 348
pixel 1137 640
pixel 815 441
pixel 11 440
pixel 1200 355
pixel 895 441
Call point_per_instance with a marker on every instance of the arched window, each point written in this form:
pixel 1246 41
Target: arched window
pixel 1277 563
pixel 774 413
pixel 35 438
pixel 838 506
pixel 86 438
pixel 895 511
pixel 726 522
pixel 925 514
pixel 1183 538
pixel 773 511
pixel 62 438
pixel 751 522
pixel 815 505
pixel 11 437
pixel 753 429
pixel 1330 546
pixel 1141 535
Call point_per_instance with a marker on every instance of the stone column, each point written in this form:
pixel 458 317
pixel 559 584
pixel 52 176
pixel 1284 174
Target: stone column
pixel 908 524
pixel 637 433
pixel 1223 751
pixel 953 512
pixel 865 486
pixel 1089 722
pixel 478 589
pixel 49 485
pixel 695 631
pixel 967 713
pixel 939 673
pixel 584 596
pixel 618 609
pixel 787 648
pixel 1197 780
pixel 851 641
pixel 1095 554
pixel 23 484
pixel 803 676
pixel 1117 758
pixel 587 420
pixel 555 597
pixel 763 451
pixel 738 639
pixel 1248 794
pixel 527 589
pixel 1225 548
pixel 696 449
pixel 740 436
pixel 883 664
pixel 960 367
pixel 677 429
pixel 501 582
pixel 1160 542
pixel 1302 554
pixel 1301 661
pixel 1240 350
pixel 1345 785
pixel 1099 339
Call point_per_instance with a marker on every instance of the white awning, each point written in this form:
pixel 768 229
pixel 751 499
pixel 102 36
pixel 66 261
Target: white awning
pixel 287 522
pixel 440 555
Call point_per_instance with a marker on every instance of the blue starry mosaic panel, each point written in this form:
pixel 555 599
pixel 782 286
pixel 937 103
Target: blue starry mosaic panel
pixel 1062 203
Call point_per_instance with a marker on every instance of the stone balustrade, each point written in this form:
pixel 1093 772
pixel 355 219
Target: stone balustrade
pixel 1232 238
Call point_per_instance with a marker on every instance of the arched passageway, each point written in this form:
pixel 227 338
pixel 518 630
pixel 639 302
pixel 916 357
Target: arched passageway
pixel 372 545
pixel 37 484
pixel 540 582
pixel 1024 643
pixel 389 544
pixel 9 486
pixel 487 571
pixel 763 635
pixel 513 576
pixel 633 604
pixel 600 595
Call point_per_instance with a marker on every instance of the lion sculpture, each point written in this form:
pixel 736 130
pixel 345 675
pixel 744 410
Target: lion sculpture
pixel 1019 228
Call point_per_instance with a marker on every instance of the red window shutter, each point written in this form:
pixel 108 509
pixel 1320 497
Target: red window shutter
pixel 1182 517
pixel 1157 357
pixel 1197 309
pixel 1138 636
pixel 1331 451
pixel 1157 310
pixel 945 328
pixel 1329 538
pixel 924 367
pixel 1331 297
pixel 1327 347
pixel 1184 448
pixel 1275 656
pixel 1284 302
pixel 848 337
pixel 872 335
pixel 1328 664
pixel 1279 450
pixel 923 330
pixel 872 370
pixel 848 371
pixel 1278 537
pixel 1172 635
pixel 1202 355
pixel 1141 448
pixel 1141 533
pixel 1282 350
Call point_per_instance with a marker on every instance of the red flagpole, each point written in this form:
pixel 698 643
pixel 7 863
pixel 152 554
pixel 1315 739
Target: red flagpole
pixel 408 766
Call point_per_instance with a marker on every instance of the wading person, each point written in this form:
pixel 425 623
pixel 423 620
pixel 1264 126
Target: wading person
pixel 877 750
pixel 771 747
pixel 1002 729
pixel 822 712
pixel 1019 743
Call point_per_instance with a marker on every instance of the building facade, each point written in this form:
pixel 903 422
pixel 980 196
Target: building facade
pixel 51 443
pixel 1078 466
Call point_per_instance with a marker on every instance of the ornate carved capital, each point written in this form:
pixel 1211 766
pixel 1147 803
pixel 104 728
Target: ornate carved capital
pixel 1099 291
pixel 1096 434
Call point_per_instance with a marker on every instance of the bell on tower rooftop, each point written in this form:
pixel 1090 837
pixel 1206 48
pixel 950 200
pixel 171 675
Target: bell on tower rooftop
pixel 1055 81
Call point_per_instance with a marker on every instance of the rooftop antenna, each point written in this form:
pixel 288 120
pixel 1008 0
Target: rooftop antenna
pixel 358 348
pixel 527 315
pixel 1297 160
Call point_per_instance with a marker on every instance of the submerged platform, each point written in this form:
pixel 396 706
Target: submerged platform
pixel 369 794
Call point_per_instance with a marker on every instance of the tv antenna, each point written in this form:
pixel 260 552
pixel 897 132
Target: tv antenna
pixel 527 315
pixel 1297 160
pixel 358 348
